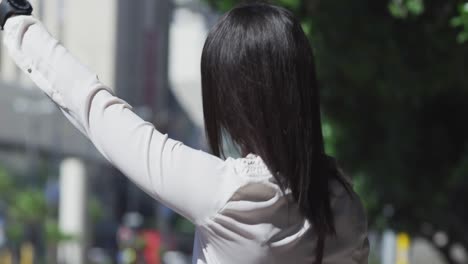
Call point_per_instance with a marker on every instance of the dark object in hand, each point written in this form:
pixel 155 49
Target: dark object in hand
pixel 10 8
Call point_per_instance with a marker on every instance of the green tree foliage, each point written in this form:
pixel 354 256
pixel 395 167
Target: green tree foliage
pixel 26 208
pixel 461 20
pixel 394 91
pixel 403 9
pixel 27 213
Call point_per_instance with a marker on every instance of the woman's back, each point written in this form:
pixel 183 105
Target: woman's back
pixel 260 224
pixel 259 87
pixel 289 206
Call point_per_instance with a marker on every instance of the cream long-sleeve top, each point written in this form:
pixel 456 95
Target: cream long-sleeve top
pixel 240 213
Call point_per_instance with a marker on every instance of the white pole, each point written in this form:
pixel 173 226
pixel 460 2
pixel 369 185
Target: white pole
pixel 388 247
pixel 72 211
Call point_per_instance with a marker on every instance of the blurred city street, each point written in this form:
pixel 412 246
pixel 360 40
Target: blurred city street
pixel 394 80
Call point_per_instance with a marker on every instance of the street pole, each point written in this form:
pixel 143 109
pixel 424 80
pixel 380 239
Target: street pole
pixel 72 211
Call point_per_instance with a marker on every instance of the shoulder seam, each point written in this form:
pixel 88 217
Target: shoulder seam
pixel 227 198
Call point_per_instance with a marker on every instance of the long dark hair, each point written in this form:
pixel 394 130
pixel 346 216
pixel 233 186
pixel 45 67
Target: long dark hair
pixel 259 86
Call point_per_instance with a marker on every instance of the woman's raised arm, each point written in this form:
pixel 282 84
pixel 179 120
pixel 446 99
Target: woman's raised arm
pixel 193 183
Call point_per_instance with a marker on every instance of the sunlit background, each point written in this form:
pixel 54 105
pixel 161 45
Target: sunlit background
pixel 394 85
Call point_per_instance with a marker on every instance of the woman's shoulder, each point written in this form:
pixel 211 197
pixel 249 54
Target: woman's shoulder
pixel 258 182
pixel 259 189
pixel 251 167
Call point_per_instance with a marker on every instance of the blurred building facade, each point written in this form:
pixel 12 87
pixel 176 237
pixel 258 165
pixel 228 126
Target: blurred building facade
pixel 124 41
pixel 127 44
